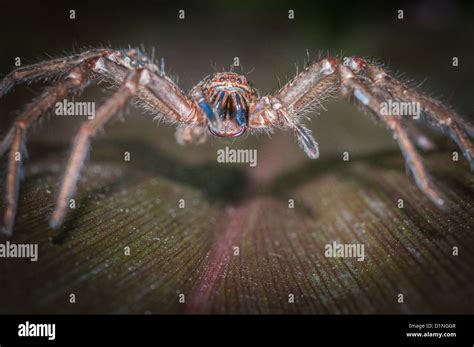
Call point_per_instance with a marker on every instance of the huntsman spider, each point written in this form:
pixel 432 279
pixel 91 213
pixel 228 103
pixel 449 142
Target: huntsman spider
pixel 224 104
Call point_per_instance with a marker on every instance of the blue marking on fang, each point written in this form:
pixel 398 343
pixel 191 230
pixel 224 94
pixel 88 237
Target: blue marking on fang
pixel 207 109
pixel 217 107
pixel 240 114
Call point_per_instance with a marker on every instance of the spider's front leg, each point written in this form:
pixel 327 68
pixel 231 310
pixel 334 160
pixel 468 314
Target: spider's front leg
pixel 295 100
pixel 369 86
pixel 141 83
pixel 137 77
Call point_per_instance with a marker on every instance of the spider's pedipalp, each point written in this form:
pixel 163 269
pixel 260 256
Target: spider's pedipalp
pixel 307 141
pixel 298 97
pixel 16 138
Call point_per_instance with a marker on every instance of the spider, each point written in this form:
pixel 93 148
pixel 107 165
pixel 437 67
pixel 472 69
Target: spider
pixel 224 104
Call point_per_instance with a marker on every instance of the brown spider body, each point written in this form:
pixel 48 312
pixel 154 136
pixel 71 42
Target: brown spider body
pixel 228 96
pixel 223 105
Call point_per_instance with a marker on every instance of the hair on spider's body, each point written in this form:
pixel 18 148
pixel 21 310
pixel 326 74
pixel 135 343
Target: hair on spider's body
pixel 226 98
pixel 224 104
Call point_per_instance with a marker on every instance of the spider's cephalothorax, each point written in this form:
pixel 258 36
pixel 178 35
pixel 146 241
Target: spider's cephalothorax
pixel 224 105
pixel 226 99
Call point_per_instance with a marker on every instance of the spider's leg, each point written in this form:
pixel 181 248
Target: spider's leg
pixel 45 69
pixel 17 151
pixel 6 142
pixel 418 136
pixel 157 91
pixel 299 97
pixel 432 111
pixel 183 108
pixel 74 80
pixel 81 143
pixel 159 95
pixel 413 129
pixel 369 86
pixel 368 99
pixel 16 138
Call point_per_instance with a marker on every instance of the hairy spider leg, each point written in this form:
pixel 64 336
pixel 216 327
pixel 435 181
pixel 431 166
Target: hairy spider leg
pixel 417 135
pixel 371 101
pixel 364 83
pixel 435 114
pixel 46 70
pixel 367 85
pixel 82 142
pixel 17 136
pixel 160 94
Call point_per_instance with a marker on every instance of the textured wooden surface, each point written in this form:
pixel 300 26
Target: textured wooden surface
pixel 191 251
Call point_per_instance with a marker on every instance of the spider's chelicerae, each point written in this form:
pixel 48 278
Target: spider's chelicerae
pixel 224 104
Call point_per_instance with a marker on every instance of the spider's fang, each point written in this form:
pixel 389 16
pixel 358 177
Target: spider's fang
pixel 219 103
pixel 211 116
pixel 240 113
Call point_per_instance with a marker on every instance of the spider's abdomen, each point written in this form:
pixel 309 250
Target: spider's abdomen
pixel 230 96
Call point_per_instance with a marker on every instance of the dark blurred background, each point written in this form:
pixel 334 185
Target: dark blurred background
pixel 420 48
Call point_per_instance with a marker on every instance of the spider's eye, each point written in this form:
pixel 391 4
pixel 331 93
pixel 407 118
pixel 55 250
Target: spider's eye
pixel 222 79
pixel 239 81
